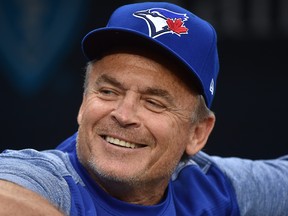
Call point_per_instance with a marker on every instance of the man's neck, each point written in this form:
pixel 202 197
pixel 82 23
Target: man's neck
pixel 137 193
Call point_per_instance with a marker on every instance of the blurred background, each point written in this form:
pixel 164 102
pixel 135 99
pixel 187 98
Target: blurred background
pixel 42 69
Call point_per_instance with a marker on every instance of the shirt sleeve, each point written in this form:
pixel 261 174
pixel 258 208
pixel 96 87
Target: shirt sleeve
pixel 40 172
pixel 261 186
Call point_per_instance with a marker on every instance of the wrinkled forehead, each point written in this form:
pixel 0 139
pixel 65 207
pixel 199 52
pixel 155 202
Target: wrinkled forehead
pixel 145 77
pixel 178 71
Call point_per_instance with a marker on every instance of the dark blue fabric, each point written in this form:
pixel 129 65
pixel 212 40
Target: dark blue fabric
pixel 193 192
pixel 196 193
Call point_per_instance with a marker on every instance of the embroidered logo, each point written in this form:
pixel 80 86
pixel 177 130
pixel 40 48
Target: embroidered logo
pixel 162 21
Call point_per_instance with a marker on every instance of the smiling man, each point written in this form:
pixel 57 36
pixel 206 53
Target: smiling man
pixel 144 119
pixel 135 125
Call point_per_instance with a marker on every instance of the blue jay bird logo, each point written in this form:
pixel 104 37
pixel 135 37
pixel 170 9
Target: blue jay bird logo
pixel 162 21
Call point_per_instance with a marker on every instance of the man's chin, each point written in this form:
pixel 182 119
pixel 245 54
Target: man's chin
pixel 113 176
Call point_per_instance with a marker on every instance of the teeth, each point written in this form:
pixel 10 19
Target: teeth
pixel 120 142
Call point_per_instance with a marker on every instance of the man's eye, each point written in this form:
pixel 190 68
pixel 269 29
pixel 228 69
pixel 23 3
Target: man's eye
pixel 107 94
pixel 154 105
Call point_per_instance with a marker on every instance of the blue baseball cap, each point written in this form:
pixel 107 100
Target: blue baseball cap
pixel 164 27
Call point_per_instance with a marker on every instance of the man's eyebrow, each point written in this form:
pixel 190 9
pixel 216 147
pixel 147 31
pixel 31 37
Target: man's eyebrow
pixel 153 91
pixel 161 93
pixel 104 78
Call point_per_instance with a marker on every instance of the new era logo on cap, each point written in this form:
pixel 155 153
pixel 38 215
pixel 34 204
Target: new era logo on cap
pixel 162 21
pixel 165 28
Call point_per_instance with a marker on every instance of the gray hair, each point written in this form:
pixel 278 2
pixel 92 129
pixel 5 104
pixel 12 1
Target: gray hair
pixel 201 111
pixel 87 72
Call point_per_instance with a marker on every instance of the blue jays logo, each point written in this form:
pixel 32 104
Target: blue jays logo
pixel 162 21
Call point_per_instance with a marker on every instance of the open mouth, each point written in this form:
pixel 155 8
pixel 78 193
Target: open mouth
pixel 121 143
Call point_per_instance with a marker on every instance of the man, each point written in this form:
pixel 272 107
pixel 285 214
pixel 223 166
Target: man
pixel 144 119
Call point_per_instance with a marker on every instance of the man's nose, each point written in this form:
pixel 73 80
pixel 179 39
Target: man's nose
pixel 126 112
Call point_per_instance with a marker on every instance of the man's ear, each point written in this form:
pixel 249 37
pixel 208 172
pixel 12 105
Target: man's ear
pixel 200 134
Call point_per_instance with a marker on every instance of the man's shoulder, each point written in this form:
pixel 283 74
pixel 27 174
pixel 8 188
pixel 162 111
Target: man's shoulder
pixel 198 181
pixel 30 165
pixel 52 159
pixel 201 161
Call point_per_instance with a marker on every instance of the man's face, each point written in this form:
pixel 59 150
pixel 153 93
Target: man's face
pixel 135 120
